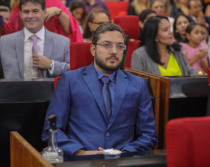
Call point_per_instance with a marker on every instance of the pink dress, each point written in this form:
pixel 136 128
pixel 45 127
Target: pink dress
pixel 15 22
pixel 190 53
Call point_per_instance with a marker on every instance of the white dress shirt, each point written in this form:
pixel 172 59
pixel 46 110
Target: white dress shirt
pixel 29 70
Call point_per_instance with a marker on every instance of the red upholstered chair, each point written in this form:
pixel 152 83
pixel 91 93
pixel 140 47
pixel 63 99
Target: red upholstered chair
pixel 117 8
pixel 80 55
pixel 130 25
pixel 188 142
pixel 56 81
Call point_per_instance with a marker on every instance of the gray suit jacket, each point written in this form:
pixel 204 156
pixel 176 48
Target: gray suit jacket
pixel 142 61
pixel 56 48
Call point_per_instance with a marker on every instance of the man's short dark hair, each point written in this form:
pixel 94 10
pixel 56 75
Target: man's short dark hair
pixel 104 28
pixel 41 2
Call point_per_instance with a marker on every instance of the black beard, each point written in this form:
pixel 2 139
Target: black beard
pixel 107 68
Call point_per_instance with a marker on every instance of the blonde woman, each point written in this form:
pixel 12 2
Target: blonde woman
pixel 137 6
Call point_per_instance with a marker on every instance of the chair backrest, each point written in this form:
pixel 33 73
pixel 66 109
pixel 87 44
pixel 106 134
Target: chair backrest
pixel 132 45
pixel 188 142
pixel 56 81
pixel 129 24
pixel 117 8
pixel 80 55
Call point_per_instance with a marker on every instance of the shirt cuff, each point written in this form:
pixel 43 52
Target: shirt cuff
pixel 52 68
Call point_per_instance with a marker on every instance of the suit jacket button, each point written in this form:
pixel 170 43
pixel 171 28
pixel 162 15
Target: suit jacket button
pixel 107 134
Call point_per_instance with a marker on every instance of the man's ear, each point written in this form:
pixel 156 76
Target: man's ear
pixel 93 50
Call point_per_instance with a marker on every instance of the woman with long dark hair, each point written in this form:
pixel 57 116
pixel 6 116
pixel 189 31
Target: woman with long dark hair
pixel 158 54
pixel 180 25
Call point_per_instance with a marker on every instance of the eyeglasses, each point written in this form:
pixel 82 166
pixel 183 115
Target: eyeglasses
pixel 109 45
pixel 100 23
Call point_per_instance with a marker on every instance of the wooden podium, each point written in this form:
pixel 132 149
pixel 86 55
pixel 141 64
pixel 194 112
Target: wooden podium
pixel 22 154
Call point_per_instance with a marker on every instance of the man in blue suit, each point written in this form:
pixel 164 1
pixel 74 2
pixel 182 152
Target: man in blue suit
pixel 85 124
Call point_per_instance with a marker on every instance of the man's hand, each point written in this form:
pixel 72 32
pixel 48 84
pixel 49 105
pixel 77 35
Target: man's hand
pixel 42 62
pixel 93 152
pixel 52 11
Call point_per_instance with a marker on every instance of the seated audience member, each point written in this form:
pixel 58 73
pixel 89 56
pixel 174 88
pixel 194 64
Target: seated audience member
pixel 77 10
pixel 159 7
pixel 58 20
pixel 180 25
pixel 95 4
pixel 34 51
pixel 144 16
pixel 5 13
pixel 158 54
pixel 137 6
pixel 195 12
pixel 179 6
pixel 116 110
pixel 95 18
pixel 196 49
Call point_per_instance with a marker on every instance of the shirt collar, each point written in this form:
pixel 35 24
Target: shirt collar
pixel 40 34
pixel 100 75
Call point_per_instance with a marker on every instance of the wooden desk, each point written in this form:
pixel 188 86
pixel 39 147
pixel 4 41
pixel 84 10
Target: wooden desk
pixel 23 154
pixel 155 159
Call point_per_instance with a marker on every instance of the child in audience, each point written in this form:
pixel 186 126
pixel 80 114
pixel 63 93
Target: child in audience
pixel 77 9
pixel 196 50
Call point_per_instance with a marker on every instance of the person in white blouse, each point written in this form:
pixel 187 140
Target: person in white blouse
pixel 18 61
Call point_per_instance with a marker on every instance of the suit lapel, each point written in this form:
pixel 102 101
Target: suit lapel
pixel 119 95
pixel 48 46
pixel 20 52
pixel 90 77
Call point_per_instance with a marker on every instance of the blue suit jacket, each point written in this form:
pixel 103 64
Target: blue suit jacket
pixel 82 120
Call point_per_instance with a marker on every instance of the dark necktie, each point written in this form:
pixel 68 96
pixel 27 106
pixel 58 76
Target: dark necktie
pixel 35 49
pixel 106 95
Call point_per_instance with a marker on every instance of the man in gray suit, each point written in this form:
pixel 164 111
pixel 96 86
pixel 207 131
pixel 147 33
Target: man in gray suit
pixel 25 57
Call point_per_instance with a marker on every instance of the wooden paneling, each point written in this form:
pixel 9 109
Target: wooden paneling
pixel 22 154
